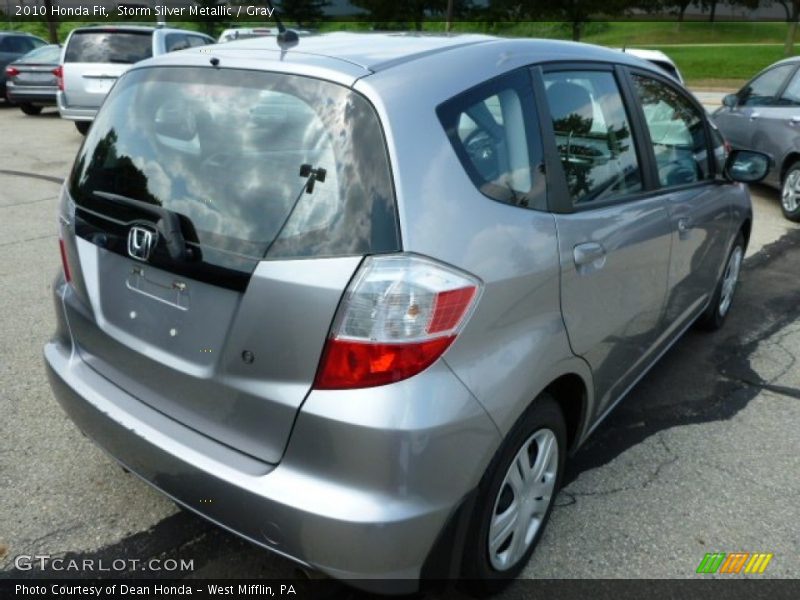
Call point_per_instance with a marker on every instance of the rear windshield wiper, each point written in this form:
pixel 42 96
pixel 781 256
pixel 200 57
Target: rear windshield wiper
pixel 312 176
pixel 168 224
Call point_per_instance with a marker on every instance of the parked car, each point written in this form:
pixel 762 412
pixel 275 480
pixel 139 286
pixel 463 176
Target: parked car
pixel 765 115
pixel 14 45
pixel 357 304
pixel 658 58
pixel 32 81
pixel 94 57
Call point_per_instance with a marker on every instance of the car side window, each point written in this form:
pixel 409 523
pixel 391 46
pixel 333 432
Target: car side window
pixel 593 135
pixel 677 133
pixel 196 40
pixel 791 95
pixel 176 41
pixel 15 44
pixel 764 88
pixel 495 134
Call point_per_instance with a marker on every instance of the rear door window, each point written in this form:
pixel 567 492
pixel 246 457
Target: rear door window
pixel 495 134
pixel 99 46
pixel 593 135
pixel 231 152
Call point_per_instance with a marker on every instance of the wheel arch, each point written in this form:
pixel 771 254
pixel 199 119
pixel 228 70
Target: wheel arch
pixel 788 161
pixel 571 393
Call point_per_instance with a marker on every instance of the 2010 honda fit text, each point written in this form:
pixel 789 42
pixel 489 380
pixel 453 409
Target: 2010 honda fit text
pixel 367 293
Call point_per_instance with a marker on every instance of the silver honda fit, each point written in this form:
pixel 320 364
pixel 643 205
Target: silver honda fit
pixel 357 299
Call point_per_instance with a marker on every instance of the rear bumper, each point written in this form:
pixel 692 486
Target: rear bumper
pixel 73 113
pixel 355 497
pixel 38 95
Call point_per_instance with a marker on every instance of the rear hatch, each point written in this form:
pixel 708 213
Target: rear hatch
pixel 95 58
pixel 219 215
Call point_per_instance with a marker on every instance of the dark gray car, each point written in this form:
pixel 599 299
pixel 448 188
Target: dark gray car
pixel 357 300
pixel 14 45
pixel 765 115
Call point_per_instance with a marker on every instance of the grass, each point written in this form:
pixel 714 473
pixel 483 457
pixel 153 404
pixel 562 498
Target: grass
pixel 721 66
pixel 725 65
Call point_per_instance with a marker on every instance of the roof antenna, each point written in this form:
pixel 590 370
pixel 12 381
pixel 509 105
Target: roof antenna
pixel 286 37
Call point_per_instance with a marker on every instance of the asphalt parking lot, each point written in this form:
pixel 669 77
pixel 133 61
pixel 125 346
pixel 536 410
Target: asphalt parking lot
pixel 702 456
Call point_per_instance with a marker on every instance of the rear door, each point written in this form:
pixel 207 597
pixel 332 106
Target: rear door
pixel 699 207
pixel 208 264
pixel 614 241
pixel 95 58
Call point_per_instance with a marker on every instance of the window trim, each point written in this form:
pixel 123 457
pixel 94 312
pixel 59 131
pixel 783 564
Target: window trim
pixel 520 80
pixel 713 177
pixel 560 199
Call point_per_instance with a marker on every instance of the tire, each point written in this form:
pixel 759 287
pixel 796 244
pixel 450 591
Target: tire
pixel 83 126
pixel 490 567
pixel 30 109
pixel 720 306
pixel 790 193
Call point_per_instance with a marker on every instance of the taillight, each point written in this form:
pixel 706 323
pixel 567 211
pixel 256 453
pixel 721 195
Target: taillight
pixel 399 315
pixel 59 73
pixel 11 72
pixel 65 261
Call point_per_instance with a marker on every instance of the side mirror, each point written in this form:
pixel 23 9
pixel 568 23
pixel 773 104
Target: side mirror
pixel 731 100
pixel 747 166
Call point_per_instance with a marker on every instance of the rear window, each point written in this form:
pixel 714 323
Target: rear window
pixel 109 47
pixel 225 150
pixel 45 54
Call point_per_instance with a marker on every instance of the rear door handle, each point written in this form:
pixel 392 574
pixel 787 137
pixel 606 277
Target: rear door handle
pixel 684 224
pixel 589 256
pixel 754 116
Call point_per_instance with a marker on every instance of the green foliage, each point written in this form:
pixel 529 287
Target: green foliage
pixel 302 12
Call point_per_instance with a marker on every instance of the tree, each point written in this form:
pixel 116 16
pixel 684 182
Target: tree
pixel 303 12
pixel 794 6
pixel 579 12
pixel 52 22
pixel 210 22
pixel 389 11
pixel 711 6
pixel 677 6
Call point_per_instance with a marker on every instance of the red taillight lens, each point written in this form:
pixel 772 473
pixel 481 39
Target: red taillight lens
pixel 65 261
pixel 59 73
pixel 11 72
pixel 399 315
pixel 348 365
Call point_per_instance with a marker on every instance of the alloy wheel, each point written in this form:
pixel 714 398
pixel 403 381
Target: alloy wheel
pixel 790 197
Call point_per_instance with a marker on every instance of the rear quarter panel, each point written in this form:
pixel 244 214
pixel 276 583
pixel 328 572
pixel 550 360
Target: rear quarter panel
pixel 515 343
